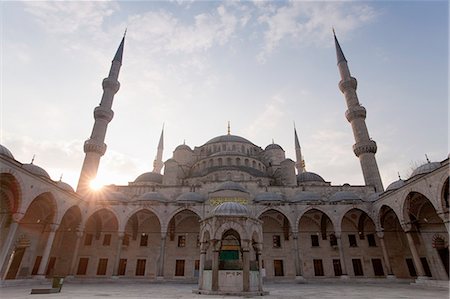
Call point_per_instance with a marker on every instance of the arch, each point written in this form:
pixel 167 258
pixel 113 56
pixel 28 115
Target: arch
pixel 141 222
pixel 412 205
pixel 174 223
pixel 444 195
pixel 72 218
pixel 230 225
pixel 97 209
pixel 362 210
pixel 358 221
pixel 181 209
pixel 42 208
pixel 137 209
pixel 10 192
pixel 101 221
pixel 319 209
pixel 321 220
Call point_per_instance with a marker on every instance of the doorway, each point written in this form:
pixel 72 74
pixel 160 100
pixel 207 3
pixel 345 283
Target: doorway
pixel 17 256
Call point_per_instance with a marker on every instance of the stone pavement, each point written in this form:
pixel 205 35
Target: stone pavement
pixel 313 290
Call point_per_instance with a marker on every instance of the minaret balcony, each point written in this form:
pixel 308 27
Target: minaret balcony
pixel 355 112
pixel 103 113
pixel 348 84
pixel 91 145
pixel 365 147
pixel 110 83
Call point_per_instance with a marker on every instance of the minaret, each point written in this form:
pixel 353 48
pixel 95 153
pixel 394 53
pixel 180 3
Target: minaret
pixel 364 147
pixel 158 163
pixel 95 147
pixel 300 164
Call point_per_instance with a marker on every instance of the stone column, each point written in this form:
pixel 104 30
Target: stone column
pixel 415 256
pixel 48 247
pixel 4 256
pixel 162 252
pixel 120 236
pixel 246 269
pixel 341 256
pixel 73 264
pixel 203 249
pixel 385 255
pixel 215 266
pixel 297 259
pixel 260 280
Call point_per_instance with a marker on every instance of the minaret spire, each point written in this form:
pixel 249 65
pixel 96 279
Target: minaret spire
pixel 158 163
pixel 300 164
pixel 364 147
pixel 95 146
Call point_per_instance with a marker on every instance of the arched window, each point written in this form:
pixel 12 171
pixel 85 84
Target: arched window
pixel 238 161
pixel 246 162
pixel 219 161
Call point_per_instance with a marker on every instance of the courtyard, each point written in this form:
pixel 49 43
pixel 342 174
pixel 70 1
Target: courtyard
pixel 311 290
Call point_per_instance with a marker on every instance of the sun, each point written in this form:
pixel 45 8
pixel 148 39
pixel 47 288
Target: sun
pixel 95 185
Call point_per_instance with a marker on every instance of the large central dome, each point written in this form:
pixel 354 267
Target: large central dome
pixel 228 138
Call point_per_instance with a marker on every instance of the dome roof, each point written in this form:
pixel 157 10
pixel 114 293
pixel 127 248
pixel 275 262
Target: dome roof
pixel 395 185
pixel 36 170
pixel 191 197
pixel 268 197
pixel 306 196
pixel 230 209
pixel 425 168
pixel 64 186
pixel 344 196
pixel 115 195
pixel 149 177
pixel 153 196
pixel 373 197
pixel 228 138
pixel 273 146
pixel 309 177
pixel 5 152
pixel 229 185
pixel 183 147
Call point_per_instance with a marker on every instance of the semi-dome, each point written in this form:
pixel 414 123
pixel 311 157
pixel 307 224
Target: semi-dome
pixel 5 152
pixel 230 209
pixel 425 168
pixel 191 197
pixel 304 196
pixel 309 177
pixel 228 138
pixel 152 196
pixel 36 170
pixel 229 185
pixel 268 197
pixel 64 186
pixel 273 146
pixel 183 147
pixel 344 196
pixel 395 185
pixel 149 177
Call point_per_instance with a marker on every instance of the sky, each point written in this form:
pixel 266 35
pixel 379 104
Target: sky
pixel 194 66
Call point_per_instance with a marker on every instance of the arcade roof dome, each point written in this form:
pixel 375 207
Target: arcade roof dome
pixel 425 168
pixel 152 196
pixel 183 147
pixel 5 152
pixel 149 177
pixel 64 186
pixel 344 196
pixel 36 170
pixel 230 209
pixel 268 197
pixel 273 146
pixel 309 177
pixel 191 197
pixel 395 185
pixel 306 196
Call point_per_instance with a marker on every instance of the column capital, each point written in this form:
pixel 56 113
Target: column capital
pixel 380 234
pixel 16 217
pixel 120 235
pixel 53 227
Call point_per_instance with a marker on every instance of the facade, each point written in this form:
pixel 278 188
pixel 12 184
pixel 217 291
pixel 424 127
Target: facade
pixel 226 205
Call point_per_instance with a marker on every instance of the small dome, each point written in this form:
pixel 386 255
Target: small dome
pixel 5 152
pixel 269 197
pixel 395 185
pixel 64 186
pixel 273 146
pixel 183 147
pixel 309 177
pixel 228 138
pixel 344 196
pixel 115 195
pixel 425 168
pixel 229 185
pixel 373 197
pixel 36 170
pixel 230 209
pixel 152 177
pixel 306 196
pixel 191 197
pixel 152 196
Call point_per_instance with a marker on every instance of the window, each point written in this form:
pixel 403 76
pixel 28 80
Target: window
pixel 50 266
pixel 37 263
pixel 357 267
pixel 377 267
pixel 371 240
pixel 352 240
pixel 144 239
pixel 101 268
pixel 107 240
pixel 122 267
pixel 276 241
pixel 179 268
pixel 318 268
pixel 126 240
pixel 140 267
pixel 278 267
pixel 425 266
pixel 88 240
pixel 82 266
pixel 411 268
pixel 337 267
pixel 314 240
pixel 181 241
pixel 333 240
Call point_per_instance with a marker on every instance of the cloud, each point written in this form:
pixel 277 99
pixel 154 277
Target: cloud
pixel 269 118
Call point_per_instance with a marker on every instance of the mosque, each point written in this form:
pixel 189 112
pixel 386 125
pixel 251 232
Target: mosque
pixel 228 214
